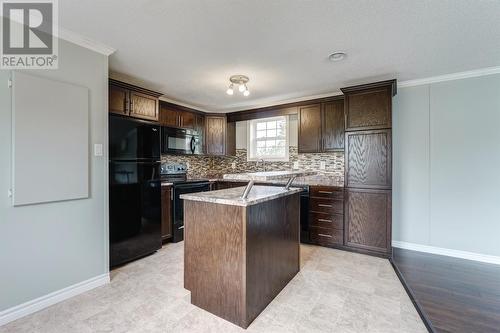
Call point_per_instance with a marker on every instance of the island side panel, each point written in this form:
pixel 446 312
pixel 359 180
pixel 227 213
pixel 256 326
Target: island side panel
pixel 214 258
pixel 272 250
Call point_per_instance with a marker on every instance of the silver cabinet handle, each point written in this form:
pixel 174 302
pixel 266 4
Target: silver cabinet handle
pixel 325 235
pixel 181 227
pixel 323 220
pixel 325 192
pixel 171 195
pixel 322 205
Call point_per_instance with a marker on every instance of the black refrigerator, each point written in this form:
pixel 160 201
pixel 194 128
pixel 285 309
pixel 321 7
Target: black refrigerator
pixel 134 189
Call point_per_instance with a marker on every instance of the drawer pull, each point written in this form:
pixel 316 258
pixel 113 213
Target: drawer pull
pixel 323 235
pixel 324 220
pixel 325 192
pixel 323 205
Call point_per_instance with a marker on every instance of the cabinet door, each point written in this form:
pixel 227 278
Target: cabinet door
pixel 368 109
pixel 168 116
pixel 368 219
pixel 200 128
pixel 333 126
pixel 368 159
pixel 215 135
pixel 231 139
pixel 166 212
pixel 310 128
pixel 143 106
pixel 187 119
pixel 118 100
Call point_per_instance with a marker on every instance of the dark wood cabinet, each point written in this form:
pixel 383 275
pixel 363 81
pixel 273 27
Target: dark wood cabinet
pixel 172 115
pixel 169 117
pixel 118 100
pixel 129 100
pixel 368 159
pixel 215 135
pixel 143 106
pixel 332 126
pixel 309 140
pixel 326 215
pixel 368 167
pixel 166 212
pixel 368 219
pixel 321 127
pixel 231 139
pixel 369 106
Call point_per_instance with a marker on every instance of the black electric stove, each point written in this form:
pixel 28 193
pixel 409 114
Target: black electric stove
pixel 176 173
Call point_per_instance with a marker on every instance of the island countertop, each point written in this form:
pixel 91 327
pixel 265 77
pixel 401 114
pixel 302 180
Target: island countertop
pixel 232 196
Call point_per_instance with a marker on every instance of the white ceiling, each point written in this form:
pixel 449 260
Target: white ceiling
pixel 187 49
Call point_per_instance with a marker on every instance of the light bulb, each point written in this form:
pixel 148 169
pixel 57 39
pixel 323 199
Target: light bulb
pixel 246 92
pixel 242 88
pixel 230 90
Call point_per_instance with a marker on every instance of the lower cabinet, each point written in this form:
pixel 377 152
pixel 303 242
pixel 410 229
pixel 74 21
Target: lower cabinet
pixel 368 219
pixel 326 215
pixel 166 212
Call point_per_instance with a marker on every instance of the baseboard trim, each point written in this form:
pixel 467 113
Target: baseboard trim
pixel 40 303
pixel 448 252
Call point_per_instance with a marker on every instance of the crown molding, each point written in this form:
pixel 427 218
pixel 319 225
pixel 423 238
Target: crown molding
pixel 85 42
pixel 450 77
pixel 187 105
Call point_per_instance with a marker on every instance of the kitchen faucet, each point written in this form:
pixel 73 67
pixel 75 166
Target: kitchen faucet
pixel 263 163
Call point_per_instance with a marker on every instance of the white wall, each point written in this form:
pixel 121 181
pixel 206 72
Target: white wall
pixel 48 247
pixel 241 132
pixel 446 190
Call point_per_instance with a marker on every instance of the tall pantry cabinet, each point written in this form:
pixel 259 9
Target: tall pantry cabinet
pixel 368 167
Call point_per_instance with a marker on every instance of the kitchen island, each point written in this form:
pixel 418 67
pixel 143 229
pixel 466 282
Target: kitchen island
pixel 240 252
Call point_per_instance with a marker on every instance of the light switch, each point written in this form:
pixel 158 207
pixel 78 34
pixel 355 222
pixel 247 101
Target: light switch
pixel 98 149
pixel 322 165
pixel 295 165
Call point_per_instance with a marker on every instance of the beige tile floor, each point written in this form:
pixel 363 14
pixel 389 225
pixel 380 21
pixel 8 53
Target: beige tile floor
pixel 335 291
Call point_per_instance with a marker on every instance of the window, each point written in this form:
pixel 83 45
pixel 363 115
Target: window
pixel 268 139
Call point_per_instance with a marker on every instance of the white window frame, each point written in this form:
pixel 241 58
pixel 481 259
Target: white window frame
pixel 252 140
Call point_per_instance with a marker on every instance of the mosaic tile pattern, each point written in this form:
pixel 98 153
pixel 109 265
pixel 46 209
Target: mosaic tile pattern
pixel 203 166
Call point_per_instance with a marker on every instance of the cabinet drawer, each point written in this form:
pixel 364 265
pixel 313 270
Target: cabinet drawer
pixel 328 206
pixel 333 221
pixel 326 235
pixel 327 192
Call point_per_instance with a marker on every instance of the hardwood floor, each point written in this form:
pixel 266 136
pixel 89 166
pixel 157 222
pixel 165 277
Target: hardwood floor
pixel 455 295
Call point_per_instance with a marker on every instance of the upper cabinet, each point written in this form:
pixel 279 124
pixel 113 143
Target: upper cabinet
pixel 332 126
pixel 129 100
pixel 220 136
pixel 215 135
pixel 143 106
pixel 309 128
pixel 118 100
pixel 321 127
pixel 172 115
pixel 369 106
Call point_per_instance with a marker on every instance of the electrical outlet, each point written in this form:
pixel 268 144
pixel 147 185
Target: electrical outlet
pixel 295 165
pixel 322 165
pixel 233 165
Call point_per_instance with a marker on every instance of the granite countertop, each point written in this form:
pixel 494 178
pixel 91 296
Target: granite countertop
pixel 316 180
pixel 232 196
pixel 267 175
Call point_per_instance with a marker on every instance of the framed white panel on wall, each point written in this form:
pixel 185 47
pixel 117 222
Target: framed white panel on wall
pixel 50 140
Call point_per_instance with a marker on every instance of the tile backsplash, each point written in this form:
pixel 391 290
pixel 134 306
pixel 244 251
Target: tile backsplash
pixel 207 166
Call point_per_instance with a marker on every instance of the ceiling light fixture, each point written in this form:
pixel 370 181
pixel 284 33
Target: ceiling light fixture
pixel 241 81
pixel 337 56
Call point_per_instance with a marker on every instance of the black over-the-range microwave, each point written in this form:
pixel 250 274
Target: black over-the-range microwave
pixel 180 141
